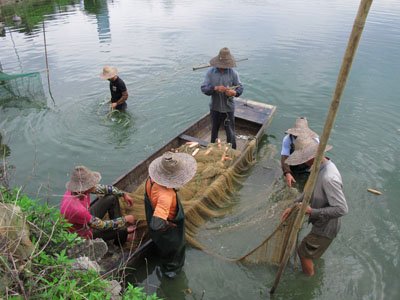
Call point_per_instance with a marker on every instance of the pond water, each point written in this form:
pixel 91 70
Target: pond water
pixel 294 50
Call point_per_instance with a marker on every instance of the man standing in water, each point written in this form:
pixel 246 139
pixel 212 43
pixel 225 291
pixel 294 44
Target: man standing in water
pixel 164 212
pixel 222 83
pixel 119 93
pixel 326 207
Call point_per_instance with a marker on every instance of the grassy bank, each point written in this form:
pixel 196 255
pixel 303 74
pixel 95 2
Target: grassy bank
pixel 46 272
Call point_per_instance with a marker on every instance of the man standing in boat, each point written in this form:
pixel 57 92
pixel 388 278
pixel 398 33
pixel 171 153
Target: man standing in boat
pixel 119 92
pixel 222 83
pixel 300 129
pixel 164 212
pixel 326 207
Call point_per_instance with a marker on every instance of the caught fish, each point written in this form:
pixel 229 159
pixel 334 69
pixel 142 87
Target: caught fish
pixel 195 151
pixel 192 144
pixel 376 192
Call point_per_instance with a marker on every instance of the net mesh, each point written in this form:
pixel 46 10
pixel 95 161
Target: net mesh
pixel 25 87
pixel 220 170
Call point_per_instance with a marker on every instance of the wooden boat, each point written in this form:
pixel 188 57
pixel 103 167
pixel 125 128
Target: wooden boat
pixel 251 120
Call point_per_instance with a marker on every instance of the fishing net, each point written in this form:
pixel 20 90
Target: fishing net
pixel 272 249
pixel 21 88
pixel 209 195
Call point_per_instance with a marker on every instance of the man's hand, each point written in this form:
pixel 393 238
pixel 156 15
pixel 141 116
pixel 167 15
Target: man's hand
pixel 129 219
pixel 114 105
pixel 308 209
pixel 220 88
pixel 289 179
pixel 128 199
pixel 230 93
pixel 286 213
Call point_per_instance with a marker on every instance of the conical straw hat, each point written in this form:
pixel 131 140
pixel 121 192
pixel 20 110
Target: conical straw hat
pixel 301 128
pixel 173 170
pixel 223 60
pixel 305 148
pixel 108 72
pixel 82 179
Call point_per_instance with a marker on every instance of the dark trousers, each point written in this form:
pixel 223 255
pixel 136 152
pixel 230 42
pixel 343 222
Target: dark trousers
pixel 108 204
pixel 228 119
pixel 122 107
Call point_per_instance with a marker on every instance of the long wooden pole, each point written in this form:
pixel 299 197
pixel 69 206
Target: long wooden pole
pixel 352 45
pixel 203 66
pixel 47 64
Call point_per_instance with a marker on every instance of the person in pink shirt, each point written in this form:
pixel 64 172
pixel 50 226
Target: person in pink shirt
pixel 86 217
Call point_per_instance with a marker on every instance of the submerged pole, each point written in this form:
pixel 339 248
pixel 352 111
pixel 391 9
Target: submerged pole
pixel 352 45
pixel 47 64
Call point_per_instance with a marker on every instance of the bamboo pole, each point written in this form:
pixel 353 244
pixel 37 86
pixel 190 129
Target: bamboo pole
pixel 203 66
pixel 352 45
pixel 47 64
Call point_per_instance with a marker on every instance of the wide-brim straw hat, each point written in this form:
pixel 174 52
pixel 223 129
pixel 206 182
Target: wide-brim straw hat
pixel 301 129
pixel 82 179
pixel 304 150
pixel 173 170
pixel 108 72
pixel 223 60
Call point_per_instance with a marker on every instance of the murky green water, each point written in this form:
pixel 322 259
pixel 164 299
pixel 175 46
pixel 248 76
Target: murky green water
pixel 295 50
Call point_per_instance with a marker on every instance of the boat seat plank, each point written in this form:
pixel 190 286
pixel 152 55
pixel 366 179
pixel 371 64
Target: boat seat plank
pixel 190 138
pixel 253 111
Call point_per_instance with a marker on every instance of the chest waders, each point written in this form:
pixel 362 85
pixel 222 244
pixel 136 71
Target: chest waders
pixel 170 242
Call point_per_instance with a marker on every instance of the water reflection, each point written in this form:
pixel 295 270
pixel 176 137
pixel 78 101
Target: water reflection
pixel 32 13
pixel 5 168
pixel 100 9
pixel 2 30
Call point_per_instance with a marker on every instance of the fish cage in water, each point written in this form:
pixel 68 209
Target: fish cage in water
pixel 21 89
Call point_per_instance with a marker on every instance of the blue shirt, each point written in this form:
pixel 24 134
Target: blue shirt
pixel 286 144
pixel 228 78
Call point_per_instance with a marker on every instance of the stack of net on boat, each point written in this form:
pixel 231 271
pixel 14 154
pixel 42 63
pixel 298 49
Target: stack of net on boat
pixel 22 89
pixel 220 170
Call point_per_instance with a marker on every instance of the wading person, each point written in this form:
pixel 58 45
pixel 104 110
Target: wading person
pixel 87 218
pixel 326 207
pixel 119 92
pixel 222 83
pixel 164 212
pixel 301 171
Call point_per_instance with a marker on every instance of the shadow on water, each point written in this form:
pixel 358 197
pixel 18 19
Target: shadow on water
pixel 150 278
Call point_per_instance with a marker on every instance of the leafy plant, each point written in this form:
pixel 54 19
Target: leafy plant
pixel 50 274
pixel 137 293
